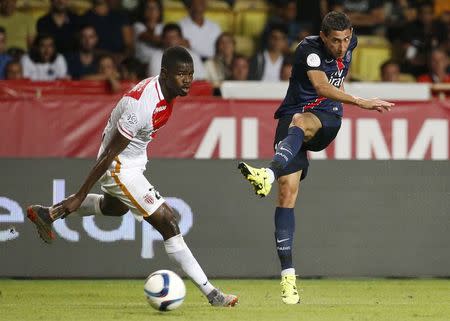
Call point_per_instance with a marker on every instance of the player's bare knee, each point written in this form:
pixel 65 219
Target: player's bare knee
pixel 298 121
pixel 169 220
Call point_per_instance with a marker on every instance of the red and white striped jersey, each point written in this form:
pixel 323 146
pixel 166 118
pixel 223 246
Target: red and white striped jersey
pixel 138 115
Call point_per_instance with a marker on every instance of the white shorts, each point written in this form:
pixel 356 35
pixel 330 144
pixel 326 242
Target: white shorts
pixel 130 186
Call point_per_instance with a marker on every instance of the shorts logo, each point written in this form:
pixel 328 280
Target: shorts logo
pixel 148 199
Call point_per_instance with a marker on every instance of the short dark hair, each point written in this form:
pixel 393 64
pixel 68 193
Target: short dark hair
pixel 172 27
pixel 2 30
pixel 281 27
pixel 387 63
pixel 335 21
pixel 175 55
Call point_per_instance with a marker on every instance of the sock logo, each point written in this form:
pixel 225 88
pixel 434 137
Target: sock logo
pixel 282 155
pixel 283 148
pixel 282 240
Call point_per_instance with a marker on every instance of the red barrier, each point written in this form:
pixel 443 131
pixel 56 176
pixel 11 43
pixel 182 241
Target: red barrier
pixel 70 125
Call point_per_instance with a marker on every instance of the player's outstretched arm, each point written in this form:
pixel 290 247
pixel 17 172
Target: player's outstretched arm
pixel 117 144
pixel 324 89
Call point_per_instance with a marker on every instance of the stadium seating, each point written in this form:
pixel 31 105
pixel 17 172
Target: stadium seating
pixel 245 45
pixel 371 52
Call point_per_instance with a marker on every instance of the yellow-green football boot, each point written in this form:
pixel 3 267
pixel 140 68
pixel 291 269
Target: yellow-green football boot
pixel 258 177
pixel 289 292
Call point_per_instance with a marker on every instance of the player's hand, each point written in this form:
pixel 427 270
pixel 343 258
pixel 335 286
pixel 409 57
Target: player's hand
pixel 67 206
pixel 375 104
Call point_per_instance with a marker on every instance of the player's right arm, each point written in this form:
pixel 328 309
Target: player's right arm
pixel 323 88
pixel 116 145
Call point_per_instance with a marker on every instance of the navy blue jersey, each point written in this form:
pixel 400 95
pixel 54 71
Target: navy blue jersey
pixel 301 95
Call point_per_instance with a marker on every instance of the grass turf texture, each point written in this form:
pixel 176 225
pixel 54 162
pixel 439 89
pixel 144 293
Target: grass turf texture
pixel 99 300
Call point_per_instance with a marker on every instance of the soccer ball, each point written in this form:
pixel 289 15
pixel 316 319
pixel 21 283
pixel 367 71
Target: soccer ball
pixel 164 290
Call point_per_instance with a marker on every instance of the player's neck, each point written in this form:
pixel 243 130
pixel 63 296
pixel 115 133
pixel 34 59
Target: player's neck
pixel 166 92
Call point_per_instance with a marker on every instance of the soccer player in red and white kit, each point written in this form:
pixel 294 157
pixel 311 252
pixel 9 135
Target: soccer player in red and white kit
pixel 120 165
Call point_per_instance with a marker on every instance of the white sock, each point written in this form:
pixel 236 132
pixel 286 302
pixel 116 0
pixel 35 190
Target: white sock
pixel 90 206
pixel 271 175
pixel 290 271
pixel 178 251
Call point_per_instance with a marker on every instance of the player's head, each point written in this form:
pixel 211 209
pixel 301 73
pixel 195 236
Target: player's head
pixel 177 70
pixel 336 33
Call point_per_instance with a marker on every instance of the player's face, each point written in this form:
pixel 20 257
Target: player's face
pixel 179 80
pixel 337 42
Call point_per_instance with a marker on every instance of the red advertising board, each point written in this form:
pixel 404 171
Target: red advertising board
pixel 70 125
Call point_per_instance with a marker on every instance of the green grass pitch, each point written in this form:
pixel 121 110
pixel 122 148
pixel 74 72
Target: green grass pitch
pixel 328 299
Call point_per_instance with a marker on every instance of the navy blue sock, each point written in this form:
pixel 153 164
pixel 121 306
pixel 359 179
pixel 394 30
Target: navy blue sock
pixel 287 149
pixel 284 234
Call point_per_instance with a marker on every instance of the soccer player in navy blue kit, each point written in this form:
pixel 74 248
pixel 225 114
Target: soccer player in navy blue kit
pixel 309 118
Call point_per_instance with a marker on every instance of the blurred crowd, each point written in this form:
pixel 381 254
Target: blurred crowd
pixel 116 40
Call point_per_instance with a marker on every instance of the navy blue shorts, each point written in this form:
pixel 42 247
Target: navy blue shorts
pixel 331 123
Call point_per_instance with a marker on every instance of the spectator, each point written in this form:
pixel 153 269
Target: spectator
pixel 420 37
pixel 239 68
pixel 13 70
pixel 132 69
pixel 19 26
pixel 62 24
pixel 390 71
pixel 43 62
pixel 115 34
pixel 285 13
pixel 147 30
pixel 198 30
pixel 266 65
pixel 312 12
pixel 398 14
pixel 445 20
pixel 367 16
pixel 438 68
pixel 218 68
pixel 4 57
pixel 172 36
pixel 108 71
pixel 286 67
pixel 84 61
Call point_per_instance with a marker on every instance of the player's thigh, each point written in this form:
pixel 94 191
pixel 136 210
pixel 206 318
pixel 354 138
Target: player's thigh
pixel 309 122
pixel 288 187
pixel 133 189
pixel 112 206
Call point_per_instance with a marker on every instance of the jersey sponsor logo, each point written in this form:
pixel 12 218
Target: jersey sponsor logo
pixel 313 60
pixel 160 108
pixel 337 78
